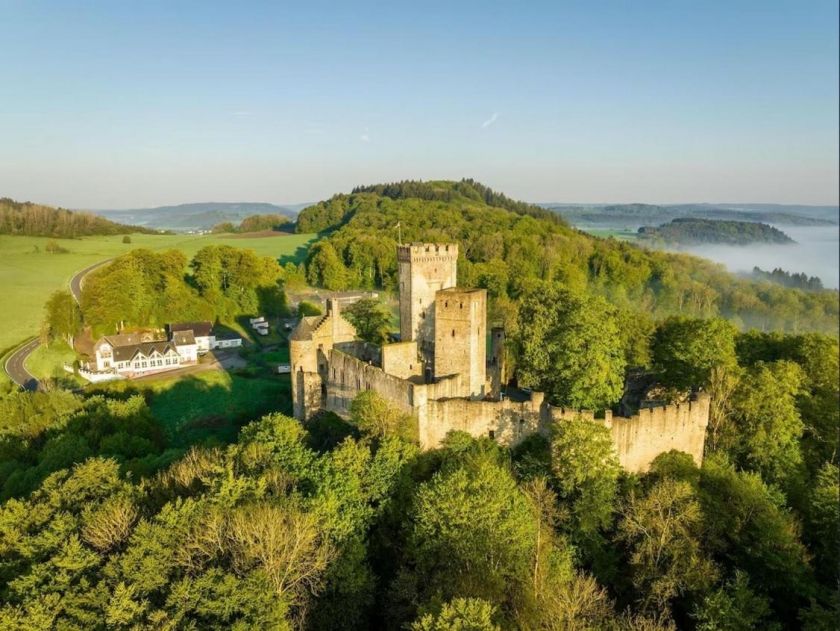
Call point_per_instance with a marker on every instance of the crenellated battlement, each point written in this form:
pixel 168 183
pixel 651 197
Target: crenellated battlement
pixel 426 252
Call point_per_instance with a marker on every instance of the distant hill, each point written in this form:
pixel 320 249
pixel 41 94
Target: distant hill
pixel 37 220
pixel 198 216
pixel 641 214
pixel 690 231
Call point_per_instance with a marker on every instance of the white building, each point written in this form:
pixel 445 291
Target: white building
pixel 205 340
pixel 132 354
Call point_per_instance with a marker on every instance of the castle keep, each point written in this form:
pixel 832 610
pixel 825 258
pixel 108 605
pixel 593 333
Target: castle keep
pixel 441 375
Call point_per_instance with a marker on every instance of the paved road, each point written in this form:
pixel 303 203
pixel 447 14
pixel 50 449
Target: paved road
pixel 17 371
pixel 15 365
pixel 78 277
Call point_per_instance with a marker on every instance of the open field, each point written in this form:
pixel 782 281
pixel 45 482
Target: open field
pixel 621 234
pixel 28 274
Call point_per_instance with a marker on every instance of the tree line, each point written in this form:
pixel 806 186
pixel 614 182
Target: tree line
pixel 36 220
pixel 253 223
pixel 797 280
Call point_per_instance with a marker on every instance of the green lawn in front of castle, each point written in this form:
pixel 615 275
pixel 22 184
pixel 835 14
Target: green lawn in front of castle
pixel 29 274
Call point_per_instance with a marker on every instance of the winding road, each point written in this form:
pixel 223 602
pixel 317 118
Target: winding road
pixel 15 365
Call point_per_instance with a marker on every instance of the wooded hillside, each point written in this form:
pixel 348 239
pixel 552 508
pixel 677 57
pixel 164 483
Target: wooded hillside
pixel 36 220
pixel 504 247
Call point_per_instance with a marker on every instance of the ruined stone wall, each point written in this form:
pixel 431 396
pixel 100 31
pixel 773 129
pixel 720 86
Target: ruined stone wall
pixel 424 268
pixel 348 376
pixel 460 338
pixel 400 360
pixel 641 438
pixel 507 422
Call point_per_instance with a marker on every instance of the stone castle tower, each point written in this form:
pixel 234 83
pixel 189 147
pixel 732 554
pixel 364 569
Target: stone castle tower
pixel 424 269
pixel 460 344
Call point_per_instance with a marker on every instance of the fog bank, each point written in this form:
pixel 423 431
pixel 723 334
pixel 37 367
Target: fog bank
pixel 815 253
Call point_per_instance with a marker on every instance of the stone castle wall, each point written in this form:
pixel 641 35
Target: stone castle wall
pixel 348 376
pixel 641 438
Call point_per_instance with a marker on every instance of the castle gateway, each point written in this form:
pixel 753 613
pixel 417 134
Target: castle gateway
pixel 441 375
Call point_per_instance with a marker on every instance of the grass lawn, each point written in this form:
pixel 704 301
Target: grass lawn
pixel 46 361
pixel 616 233
pixel 211 404
pixel 28 274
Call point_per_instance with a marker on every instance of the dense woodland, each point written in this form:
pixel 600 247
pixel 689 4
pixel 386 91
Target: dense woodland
pixel 145 288
pixel 502 249
pixel 253 223
pixel 686 231
pixel 347 525
pixel 35 220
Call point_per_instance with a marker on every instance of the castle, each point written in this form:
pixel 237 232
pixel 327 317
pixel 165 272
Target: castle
pixel 440 373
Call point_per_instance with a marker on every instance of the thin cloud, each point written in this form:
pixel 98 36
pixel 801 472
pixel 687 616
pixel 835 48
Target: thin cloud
pixel 365 137
pixel 490 120
pixel 241 114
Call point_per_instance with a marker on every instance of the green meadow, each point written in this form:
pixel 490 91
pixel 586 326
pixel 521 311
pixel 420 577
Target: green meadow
pixel 28 273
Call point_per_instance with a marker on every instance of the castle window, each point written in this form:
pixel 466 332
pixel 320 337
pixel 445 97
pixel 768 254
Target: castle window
pixel 491 435
pixel 521 425
pixel 461 306
pixel 446 303
pixel 453 332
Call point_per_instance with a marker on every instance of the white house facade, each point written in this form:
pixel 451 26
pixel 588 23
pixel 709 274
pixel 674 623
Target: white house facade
pixel 134 354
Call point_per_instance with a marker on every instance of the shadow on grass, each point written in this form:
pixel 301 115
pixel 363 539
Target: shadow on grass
pixel 296 257
pixel 193 410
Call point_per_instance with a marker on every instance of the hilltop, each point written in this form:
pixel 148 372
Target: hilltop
pixel 37 220
pixel 687 231
pixel 196 216
pixel 504 243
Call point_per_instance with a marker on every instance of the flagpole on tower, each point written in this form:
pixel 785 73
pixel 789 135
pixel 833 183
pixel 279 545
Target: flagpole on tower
pixel 399 232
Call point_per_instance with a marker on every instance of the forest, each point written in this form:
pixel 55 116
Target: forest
pixel 347 525
pixel 686 231
pixel 35 220
pixel 501 249
pixel 145 288
pixel 253 223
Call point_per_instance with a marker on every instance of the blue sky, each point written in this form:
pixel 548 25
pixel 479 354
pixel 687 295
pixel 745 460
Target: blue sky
pixel 129 104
